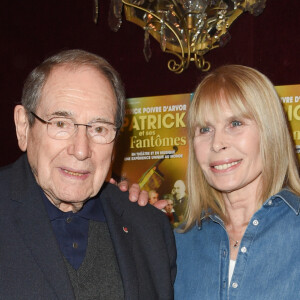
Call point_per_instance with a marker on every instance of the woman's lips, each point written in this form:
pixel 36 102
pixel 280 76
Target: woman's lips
pixel 222 166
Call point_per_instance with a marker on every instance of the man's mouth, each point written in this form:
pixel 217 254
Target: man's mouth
pixel 73 173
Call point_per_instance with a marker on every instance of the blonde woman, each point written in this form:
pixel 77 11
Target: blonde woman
pixel 241 237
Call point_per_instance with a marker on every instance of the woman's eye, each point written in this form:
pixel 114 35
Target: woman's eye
pixel 204 130
pixel 236 123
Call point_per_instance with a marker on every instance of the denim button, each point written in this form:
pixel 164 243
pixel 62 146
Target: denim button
pixel 235 285
pixel 69 220
pixel 255 222
pixel 243 249
pixel 270 202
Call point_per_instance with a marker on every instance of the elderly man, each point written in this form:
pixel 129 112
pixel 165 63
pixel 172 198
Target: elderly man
pixel 180 196
pixel 65 233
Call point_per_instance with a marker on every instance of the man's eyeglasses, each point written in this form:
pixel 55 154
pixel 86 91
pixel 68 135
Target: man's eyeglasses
pixel 60 128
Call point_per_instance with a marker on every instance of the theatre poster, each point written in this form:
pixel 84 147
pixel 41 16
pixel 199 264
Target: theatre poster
pixel 290 98
pixel 152 148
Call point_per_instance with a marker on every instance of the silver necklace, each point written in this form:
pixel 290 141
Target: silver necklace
pixel 235 243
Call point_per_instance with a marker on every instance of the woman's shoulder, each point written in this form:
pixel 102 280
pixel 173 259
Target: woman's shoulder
pixel 287 196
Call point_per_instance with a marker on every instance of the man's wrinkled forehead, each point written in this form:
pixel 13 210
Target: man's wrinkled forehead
pixel 62 84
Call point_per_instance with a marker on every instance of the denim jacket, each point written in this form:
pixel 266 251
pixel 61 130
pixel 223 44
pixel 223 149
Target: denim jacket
pixel 268 262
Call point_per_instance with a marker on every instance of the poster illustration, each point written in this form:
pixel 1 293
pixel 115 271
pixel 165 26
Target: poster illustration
pixel 290 98
pixel 153 149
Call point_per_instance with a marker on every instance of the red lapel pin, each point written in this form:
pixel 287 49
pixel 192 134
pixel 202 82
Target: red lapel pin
pixel 125 229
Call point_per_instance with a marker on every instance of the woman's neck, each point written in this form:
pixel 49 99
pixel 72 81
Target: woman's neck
pixel 240 207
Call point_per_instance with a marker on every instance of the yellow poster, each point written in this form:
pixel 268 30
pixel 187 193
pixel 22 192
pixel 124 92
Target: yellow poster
pixel 290 98
pixel 153 149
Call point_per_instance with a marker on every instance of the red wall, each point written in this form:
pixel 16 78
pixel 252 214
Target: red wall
pixel 31 30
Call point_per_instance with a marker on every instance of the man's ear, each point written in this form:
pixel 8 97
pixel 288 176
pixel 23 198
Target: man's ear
pixel 22 126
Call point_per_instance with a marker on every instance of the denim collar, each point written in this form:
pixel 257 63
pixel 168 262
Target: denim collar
pixel 292 200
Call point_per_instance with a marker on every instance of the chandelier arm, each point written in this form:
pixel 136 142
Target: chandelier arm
pixel 187 32
pixel 178 10
pixel 188 48
pixel 96 11
pixel 201 63
pixel 175 66
pixel 160 19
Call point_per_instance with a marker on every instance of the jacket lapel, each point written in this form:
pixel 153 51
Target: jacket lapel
pixel 33 223
pixel 122 237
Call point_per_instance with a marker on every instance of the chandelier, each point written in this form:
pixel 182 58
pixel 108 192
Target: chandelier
pixel 188 29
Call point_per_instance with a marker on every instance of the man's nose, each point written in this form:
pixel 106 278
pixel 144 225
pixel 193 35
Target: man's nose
pixel 80 144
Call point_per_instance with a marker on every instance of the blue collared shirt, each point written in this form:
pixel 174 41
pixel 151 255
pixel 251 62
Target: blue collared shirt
pixel 71 229
pixel 268 262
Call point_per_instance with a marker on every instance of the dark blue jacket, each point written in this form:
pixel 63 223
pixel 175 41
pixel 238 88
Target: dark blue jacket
pixel 32 266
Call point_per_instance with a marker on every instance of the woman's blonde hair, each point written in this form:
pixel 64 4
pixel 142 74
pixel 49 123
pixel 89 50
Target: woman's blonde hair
pixel 252 95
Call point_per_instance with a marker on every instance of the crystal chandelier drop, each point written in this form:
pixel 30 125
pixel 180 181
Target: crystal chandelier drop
pixel 187 29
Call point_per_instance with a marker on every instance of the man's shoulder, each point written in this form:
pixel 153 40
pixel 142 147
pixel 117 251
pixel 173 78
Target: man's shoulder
pixel 6 173
pixel 116 197
pixel 15 166
pixel 5 169
pixel 7 179
pixel 16 177
pixel 109 189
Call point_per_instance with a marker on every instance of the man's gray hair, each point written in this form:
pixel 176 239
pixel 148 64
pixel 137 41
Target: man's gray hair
pixel 36 80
